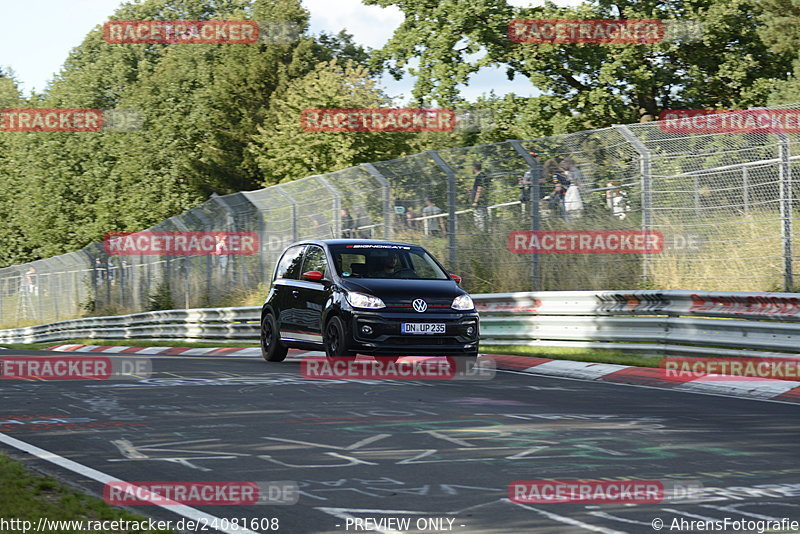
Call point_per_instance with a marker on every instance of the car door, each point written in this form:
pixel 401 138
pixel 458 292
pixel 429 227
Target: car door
pixel 284 299
pixel 313 294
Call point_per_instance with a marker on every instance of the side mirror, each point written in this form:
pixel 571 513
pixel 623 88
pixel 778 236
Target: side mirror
pixel 456 278
pixel 315 276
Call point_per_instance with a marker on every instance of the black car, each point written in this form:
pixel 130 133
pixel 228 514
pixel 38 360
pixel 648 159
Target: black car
pixel 371 297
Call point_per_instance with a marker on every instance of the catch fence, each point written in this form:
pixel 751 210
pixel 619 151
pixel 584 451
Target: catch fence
pixel 721 204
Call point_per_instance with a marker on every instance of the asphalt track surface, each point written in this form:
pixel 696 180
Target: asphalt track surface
pixel 414 450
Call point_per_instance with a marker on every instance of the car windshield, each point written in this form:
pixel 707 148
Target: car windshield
pixel 385 261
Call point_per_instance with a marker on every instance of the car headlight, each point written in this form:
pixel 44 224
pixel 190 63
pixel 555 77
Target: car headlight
pixel 361 300
pixel 462 302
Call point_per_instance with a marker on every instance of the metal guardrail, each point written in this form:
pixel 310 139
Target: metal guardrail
pixel 671 322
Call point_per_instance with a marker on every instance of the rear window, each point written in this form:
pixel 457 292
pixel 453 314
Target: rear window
pixel 385 261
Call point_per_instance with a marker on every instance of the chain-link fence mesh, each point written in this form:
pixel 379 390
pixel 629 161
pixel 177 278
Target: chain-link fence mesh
pixel 723 203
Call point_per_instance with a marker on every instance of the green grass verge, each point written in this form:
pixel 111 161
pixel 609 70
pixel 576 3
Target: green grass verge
pixel 576 354
pixel 125 343
pixel 27 496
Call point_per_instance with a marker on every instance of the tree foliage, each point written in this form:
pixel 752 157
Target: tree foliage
pixel 588 85
pixel 224 118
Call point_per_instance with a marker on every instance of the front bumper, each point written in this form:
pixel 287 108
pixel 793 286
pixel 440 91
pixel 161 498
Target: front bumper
pixel 385 336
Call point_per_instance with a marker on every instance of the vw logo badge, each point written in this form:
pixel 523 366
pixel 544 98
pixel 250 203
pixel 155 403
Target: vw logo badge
pixel 419 305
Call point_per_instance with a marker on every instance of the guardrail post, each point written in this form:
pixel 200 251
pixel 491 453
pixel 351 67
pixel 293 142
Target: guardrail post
pixel 536 174
pixel 337 206
pixel 388 224
pixel 647 179
pixel 785 177
pixel 452 245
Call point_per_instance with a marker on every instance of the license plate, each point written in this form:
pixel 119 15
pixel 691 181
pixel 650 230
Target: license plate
pixel 422 328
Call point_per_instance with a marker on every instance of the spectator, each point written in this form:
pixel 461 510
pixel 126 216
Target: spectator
pixel 435 226
pixel 555 200
pixel 572 173
pixel 29 282
pixel 221 252
pixel 553 173
pixel 411 218
pixel 99 271
pixel 616 201
pixel 573 204
pixel 479 196
pixel 348 225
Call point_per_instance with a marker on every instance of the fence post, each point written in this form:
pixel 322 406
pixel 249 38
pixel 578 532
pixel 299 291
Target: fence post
pixel 647 179
pixel 536 174
pixel 184 264
pixel 288 197
pixel 746 187
pixel 452 245
pixel 337 206
pixel 206 222
pixel 785 177
pixel 388 228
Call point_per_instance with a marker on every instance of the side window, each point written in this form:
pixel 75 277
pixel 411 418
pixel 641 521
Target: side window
pixel 315 260
pixel 289 266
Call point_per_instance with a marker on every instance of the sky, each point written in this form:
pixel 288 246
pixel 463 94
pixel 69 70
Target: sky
pixel 35 60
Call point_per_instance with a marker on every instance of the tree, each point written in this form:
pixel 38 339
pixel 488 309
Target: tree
pixel 587 85
pixel 284 151
pixel 781 31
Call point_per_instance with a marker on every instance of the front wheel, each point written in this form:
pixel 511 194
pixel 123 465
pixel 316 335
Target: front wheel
pixel 272 349
pixel 335 341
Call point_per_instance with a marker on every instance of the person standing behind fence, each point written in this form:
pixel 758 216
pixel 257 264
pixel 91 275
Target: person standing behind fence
pixel 572 173
pixel 616 201
pixel 435 225
pixel 559 182
pixel 573 204
pixel 348 225
pixel 479 196
pixel 29 282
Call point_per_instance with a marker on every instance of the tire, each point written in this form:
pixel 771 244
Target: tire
pixel 272 349
pixel 335 341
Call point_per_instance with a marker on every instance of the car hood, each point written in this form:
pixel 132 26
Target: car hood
pixel 401 291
